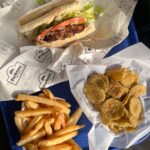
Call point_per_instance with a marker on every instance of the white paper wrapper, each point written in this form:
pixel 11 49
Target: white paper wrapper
pixel 138 51
pixel 29 71
pixel 99 137
pixel 78 76
pixel 5 3
pixel 37 67
pixel 24 65
pixel 7 53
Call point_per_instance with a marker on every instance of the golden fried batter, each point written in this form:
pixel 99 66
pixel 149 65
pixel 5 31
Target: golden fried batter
pixel 100 80
pixel 130 78
pixel 94 94
pixel 135 106
pixel 112 108
pixel 126 123
pixel 137 90
pixel 116 90
pixel 123 122
pixel 104 119
pixel 115 128
pixel 130 129
pixel 116 74
pixel 126 99
pixel 134 121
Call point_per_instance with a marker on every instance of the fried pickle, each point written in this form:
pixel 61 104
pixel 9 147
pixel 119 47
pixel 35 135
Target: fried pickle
pixel 137 90
pixel 116 90
pixel 99 80
pixel 130 78
pixel 112 108
pixel 116 74
pixel 116 95
pixel 94 94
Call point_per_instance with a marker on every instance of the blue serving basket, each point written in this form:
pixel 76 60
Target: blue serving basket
pixel 62 90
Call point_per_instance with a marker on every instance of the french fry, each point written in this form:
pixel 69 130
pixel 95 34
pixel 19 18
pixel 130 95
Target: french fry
pixel 26 120
pixel 41 100
pixel 51 120
pixel 75 146
pixel 48 94
pixel 58 140
pixel 19 124
pixel 60 120
pixel 29 139
pixel 31 105
pixel 31 146
pixel 29 113
pixel 63 120
pixel 75 117
pixel 57 124
pixel 36 141
pixel 67 117
pixel 63 102
pixel 68 129
pixel 63 146
pixel 37 127
pixel 48 128
pixel 33 122
pixel 47 115
pixel 55 109
pixel 42 95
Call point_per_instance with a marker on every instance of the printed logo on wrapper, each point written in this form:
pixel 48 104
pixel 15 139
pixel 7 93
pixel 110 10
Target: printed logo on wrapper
pixel 86 61
pixel 89 50
pixel 46 78
pixel 17 7
pixel 15 72
pixel 63 65
pixel 42 53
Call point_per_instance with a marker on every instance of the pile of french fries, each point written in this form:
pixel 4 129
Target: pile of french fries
pixel 45 124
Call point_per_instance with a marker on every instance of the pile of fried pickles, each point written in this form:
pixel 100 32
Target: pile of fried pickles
pixel 45 123
pixel 116 95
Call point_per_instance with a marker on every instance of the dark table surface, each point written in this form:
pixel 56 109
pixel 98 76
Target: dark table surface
pixel 4 145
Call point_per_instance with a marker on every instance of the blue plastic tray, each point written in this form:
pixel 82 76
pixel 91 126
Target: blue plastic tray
pixel 61 90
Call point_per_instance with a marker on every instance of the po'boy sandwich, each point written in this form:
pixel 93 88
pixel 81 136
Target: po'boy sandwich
pixel 59 22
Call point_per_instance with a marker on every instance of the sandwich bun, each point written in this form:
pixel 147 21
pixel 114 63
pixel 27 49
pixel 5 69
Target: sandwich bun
pixel 50 16
pixel 46 14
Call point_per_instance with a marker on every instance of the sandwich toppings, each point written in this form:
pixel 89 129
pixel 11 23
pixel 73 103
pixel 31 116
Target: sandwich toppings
pixel 66 32
pixel 63 30
pixel 67 25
